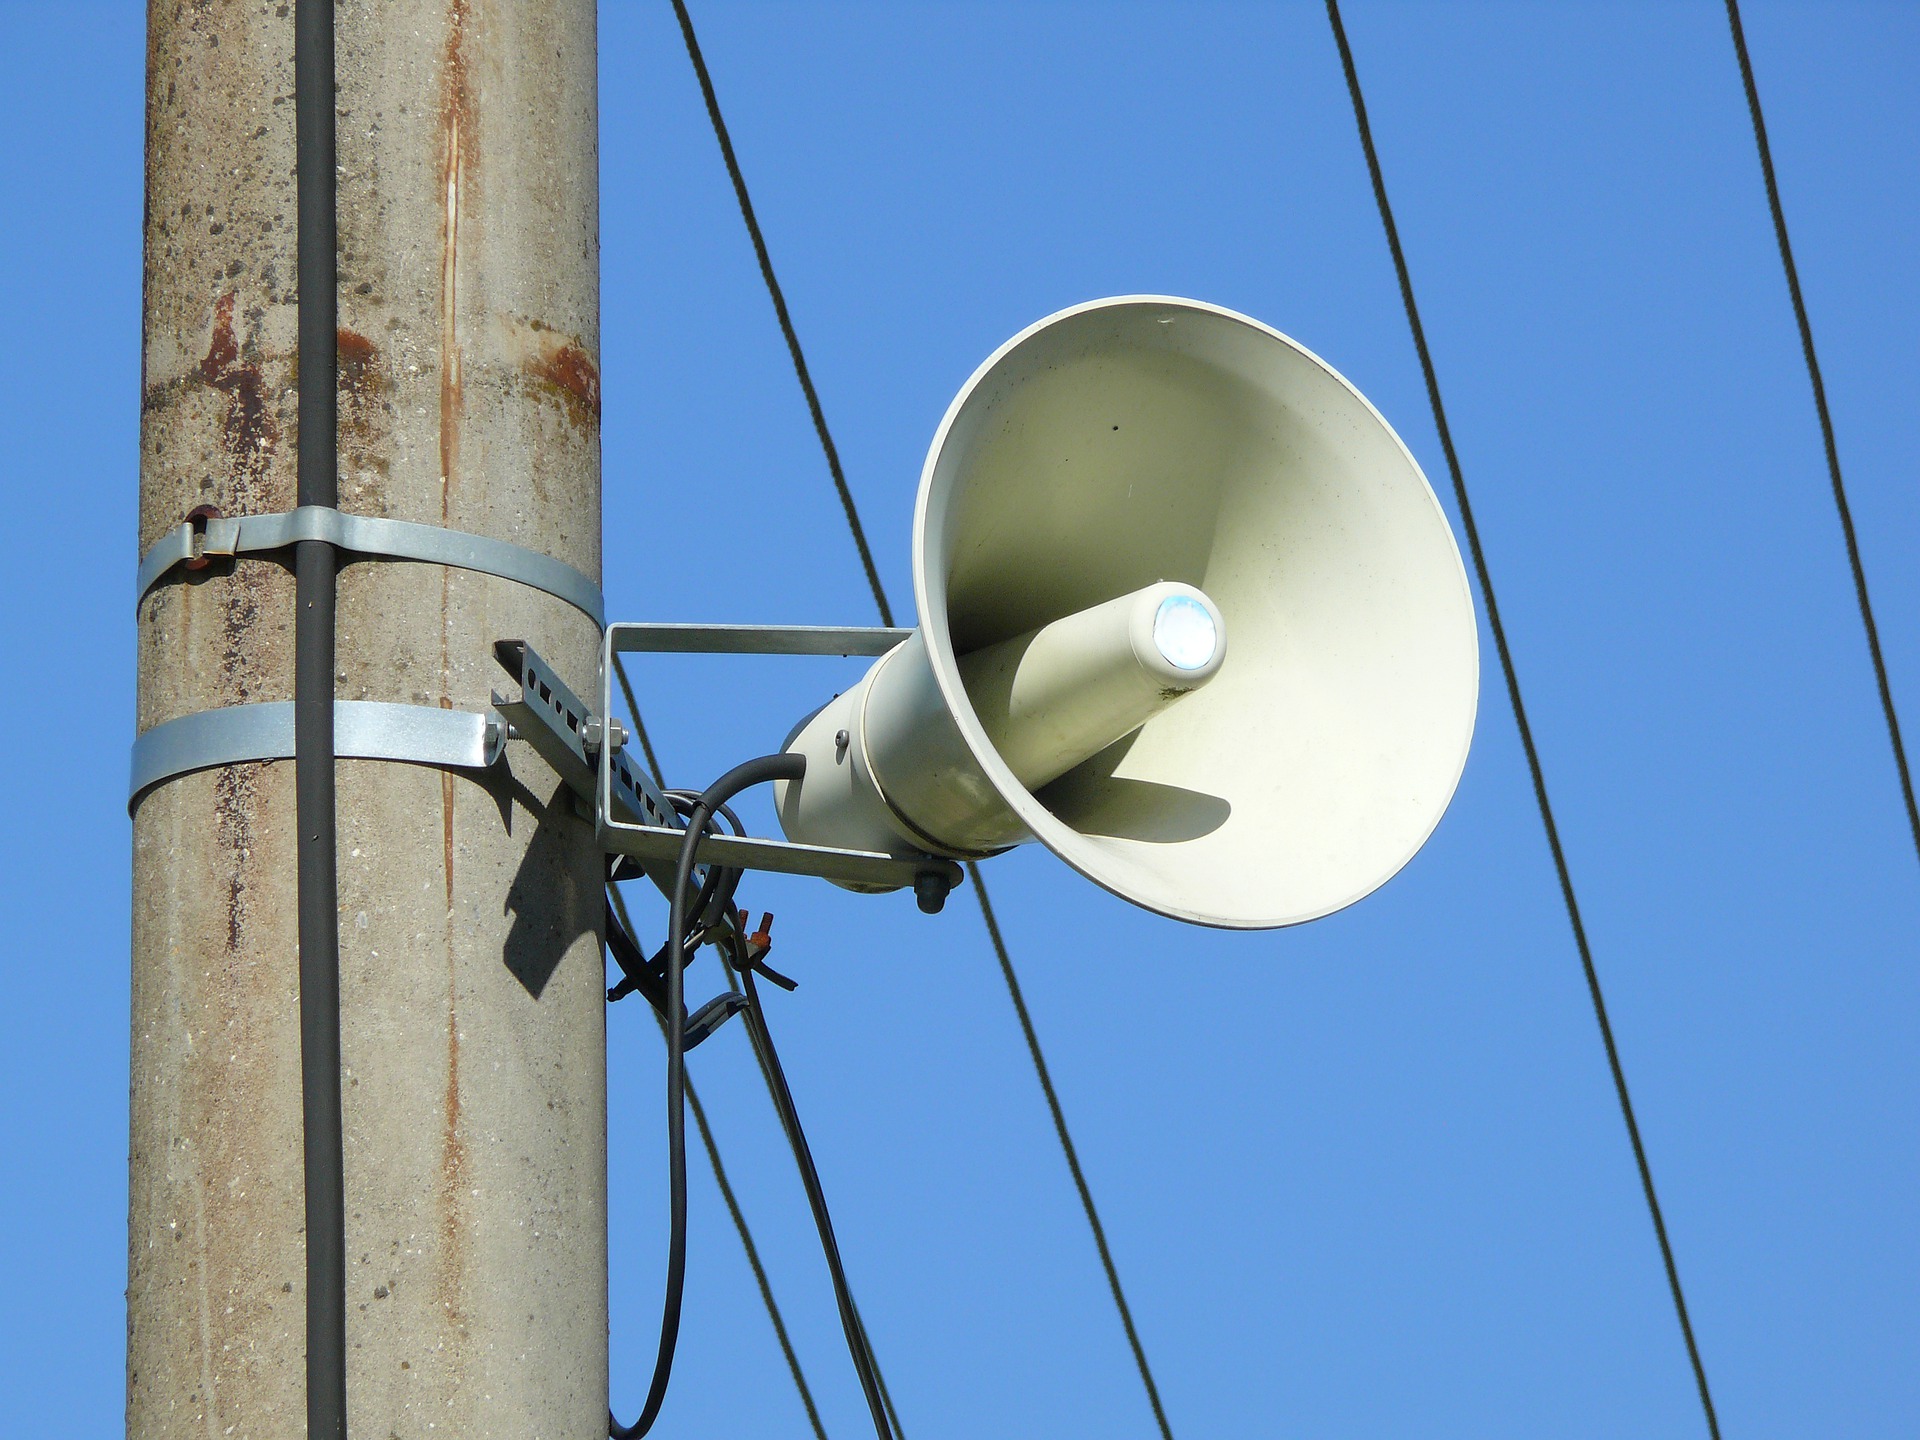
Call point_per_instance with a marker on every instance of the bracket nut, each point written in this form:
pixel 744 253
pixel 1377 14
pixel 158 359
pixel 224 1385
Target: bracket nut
pixel 595 730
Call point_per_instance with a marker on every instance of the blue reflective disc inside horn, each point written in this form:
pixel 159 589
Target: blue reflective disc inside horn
pixel 1184 631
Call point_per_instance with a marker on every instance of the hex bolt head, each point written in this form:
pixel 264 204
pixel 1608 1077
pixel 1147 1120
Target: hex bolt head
pixel 930 888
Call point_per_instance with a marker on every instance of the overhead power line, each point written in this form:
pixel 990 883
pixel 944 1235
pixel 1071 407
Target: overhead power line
pixel 886 616
pixel 780 309
pixel 1826 419
pixel 1520 713
pixel 753 1259
pixel 1073 1157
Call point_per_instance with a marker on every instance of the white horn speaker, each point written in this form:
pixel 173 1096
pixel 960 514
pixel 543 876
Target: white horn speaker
pixel 1190 616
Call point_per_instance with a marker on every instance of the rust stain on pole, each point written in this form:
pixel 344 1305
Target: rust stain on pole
pixel 249 431
pixel 568 373
pixel 458 149
pixel 361 380
pixel 453 1172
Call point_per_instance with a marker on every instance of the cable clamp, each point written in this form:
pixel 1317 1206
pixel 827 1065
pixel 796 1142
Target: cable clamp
pixel 362 730
pixel 756 946
pixel 206 536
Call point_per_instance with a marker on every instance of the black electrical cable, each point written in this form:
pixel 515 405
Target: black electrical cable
pixel 856 1333
pixel 738 1215
pixel 318 903
pixel 1520 714
pixel 1826 420
pixel 752 772
pixel 706 1134
pixel 716 891
pixel 674 1021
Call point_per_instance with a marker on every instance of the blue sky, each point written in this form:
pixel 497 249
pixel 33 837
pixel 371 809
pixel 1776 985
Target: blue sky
pixel 1364 1177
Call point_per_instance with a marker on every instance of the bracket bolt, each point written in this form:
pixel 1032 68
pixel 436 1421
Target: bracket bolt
pixel 930 889
pixel 595 730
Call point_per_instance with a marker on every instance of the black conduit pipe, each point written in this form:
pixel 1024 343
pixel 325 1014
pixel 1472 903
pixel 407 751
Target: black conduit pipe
pixel 313 646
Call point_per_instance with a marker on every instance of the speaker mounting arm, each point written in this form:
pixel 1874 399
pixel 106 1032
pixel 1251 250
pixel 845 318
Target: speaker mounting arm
pixel 629 638
pixel 631 817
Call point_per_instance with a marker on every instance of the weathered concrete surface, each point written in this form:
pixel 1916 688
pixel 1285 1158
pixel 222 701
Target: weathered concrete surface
pixel 470 975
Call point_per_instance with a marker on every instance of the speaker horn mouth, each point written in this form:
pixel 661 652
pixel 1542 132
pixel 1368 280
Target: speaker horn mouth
pixel 1145 438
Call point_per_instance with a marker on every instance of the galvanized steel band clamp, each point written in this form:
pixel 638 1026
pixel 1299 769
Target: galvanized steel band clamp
pixel 207 537
pixel 362 730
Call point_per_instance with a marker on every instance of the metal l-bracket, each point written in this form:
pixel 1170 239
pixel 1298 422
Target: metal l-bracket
pixel 587 748
pixel 629 637
pixel 655 846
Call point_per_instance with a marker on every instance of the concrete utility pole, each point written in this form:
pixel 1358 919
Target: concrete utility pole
pixel 470 977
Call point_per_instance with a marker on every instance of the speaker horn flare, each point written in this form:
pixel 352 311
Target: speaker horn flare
pixel 1115 490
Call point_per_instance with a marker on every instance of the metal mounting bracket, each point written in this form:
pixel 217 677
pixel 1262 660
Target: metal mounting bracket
pixel 568 735
pixel 653 845
pixel 203 538
pixel 362 730
pixel 631 815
